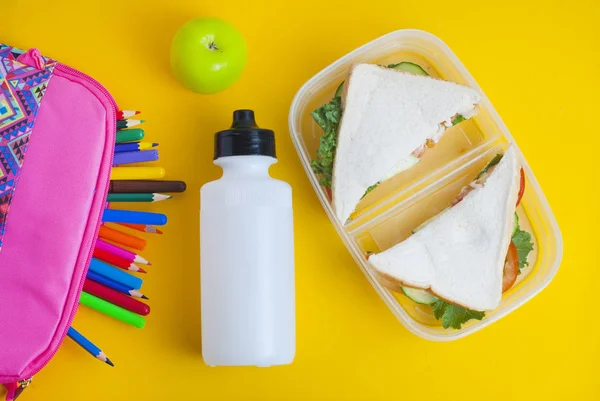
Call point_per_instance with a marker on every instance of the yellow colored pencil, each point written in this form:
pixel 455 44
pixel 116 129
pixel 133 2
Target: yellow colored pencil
pixel 137 173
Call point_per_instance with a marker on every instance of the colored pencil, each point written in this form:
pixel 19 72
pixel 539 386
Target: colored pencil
pixel 122 238
pixel 118 261
pixel 137 173
pixel 130 135
pixel 115 274
pixel 124 253
pixel 123 114
pixel 143 186
pixel 122 124
pixel 140 156
pixel 109 309
pixel 100 279
pixel 116 298
pixel 146 228
pixel 137 197
pixel 134 146
pixel 130 216
pixel 88 346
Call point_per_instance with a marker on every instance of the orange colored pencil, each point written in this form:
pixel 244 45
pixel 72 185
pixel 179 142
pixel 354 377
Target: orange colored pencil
pixel 145 228
pixel 122 238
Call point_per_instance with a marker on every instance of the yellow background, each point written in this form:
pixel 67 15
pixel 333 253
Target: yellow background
pixel 538 62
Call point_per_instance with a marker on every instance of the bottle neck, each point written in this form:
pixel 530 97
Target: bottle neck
pixel 245 167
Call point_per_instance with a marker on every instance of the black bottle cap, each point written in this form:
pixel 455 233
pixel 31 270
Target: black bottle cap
pixel 244 138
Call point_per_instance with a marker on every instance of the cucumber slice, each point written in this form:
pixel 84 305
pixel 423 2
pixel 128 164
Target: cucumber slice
pixel 515 225
pixel 419 296
pixel 403 66
pixel 408 67
pixel 339 90
pixel 416 69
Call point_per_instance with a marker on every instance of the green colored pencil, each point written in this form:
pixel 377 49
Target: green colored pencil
pixel 137 197
pixel 129 135
pixel 111 310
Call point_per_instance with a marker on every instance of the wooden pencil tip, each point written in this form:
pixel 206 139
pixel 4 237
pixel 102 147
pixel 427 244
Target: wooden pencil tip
pixel 108 361
pixel 160 197
pixel 142 271
pixel 139 259
pixel 145 297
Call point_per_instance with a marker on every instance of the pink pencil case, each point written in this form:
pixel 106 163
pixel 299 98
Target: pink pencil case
pixel 57 135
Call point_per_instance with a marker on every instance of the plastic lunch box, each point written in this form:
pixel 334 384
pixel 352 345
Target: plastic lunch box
pixel 387 215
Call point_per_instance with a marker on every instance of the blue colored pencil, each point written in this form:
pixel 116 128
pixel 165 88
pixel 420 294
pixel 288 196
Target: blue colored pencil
pixel 88 346
pixel 105 281
pixel 134 146
pixel 133 217
pixel 115 274
pixel 139 156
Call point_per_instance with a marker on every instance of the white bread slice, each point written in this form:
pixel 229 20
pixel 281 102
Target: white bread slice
pixel 460 253
pixel 389 114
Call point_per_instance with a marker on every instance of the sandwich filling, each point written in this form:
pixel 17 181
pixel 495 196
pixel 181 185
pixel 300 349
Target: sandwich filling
pixel 465 257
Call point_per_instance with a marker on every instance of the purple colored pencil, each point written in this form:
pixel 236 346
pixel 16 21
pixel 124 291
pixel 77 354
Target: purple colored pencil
pixel 124 253
pixel 135 157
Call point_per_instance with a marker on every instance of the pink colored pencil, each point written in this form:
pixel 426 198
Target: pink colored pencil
pixel 124 253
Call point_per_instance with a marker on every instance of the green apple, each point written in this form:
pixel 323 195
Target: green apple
pixel 208 55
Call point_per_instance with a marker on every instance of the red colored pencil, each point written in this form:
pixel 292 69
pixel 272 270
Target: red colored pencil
pixel 123 114
pixel 117 260
pixel 116 298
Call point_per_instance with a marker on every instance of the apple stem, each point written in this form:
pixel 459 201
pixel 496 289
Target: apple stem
pixel 212 46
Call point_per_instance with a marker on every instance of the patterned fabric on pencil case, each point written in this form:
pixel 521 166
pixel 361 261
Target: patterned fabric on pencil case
pixel 22 88
pixel 48 222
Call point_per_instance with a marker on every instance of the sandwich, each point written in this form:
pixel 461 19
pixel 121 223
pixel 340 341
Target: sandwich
pixel 380 123
pixel 463 259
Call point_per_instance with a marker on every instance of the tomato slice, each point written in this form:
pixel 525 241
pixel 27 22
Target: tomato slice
pixel 522 187
pixel 511 267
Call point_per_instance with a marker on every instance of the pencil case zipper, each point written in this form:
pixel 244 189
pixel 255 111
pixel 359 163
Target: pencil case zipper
pixel 14 390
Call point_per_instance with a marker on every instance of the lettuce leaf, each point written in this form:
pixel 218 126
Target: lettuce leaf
pixel 522 240
pixel 459 118
pixel 492 163
pixel 328 118
pixel 454 315
pixel 372 187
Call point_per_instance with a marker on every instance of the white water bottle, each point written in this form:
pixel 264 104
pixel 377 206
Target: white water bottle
pixel 247 253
